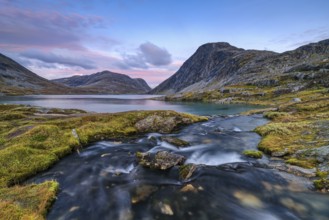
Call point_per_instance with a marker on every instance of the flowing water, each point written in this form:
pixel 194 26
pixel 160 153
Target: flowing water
pixel 105 181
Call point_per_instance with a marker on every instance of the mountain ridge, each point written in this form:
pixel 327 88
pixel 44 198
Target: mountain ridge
pixel 215 65
pixel 15 79
pixel 106 82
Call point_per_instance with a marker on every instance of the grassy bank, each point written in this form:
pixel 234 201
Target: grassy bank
pixel 33 139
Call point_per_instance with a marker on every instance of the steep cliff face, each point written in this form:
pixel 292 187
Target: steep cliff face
pixel 215 65
pixel 106 82
pixel 16 79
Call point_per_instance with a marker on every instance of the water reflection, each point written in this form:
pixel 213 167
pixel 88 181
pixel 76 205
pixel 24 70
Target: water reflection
pixel 119 103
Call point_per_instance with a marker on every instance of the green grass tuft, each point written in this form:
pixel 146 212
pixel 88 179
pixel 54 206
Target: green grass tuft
pixel 253 153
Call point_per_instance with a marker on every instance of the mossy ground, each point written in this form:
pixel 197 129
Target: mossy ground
pixel 32 140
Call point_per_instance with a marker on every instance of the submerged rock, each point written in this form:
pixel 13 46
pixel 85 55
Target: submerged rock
pixel 175 141
pixel 165 208
pixel 162 160
pixel 189 188
pixel 186 171
pixel 141 193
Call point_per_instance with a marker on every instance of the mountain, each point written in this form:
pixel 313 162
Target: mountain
pixel 106 82
pixel 17 80
pixel 215 65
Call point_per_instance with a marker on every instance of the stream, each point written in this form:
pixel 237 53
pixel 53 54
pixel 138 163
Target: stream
pixel 105 180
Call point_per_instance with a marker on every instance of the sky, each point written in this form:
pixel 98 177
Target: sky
pixel 148 39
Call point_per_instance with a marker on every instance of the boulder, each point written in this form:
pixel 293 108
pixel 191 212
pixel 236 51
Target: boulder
pixel 156 123
pixel 141 193
pixel 162 160
pixel 321 154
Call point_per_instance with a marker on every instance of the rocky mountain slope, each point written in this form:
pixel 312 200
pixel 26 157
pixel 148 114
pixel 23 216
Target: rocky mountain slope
pixel 106 82
pixel 215 65
pixel 16 79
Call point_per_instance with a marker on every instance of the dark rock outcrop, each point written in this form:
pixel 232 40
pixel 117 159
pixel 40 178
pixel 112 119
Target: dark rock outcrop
pixel 106 82
pixel 215 65
pixel 163 124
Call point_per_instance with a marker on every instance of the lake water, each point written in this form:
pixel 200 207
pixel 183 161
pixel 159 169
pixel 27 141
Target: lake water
pixel 120 103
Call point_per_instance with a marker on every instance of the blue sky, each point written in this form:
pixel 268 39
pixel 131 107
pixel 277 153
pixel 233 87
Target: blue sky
pixel 148 38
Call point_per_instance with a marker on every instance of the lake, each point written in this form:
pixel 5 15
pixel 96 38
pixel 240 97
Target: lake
pixel 121 103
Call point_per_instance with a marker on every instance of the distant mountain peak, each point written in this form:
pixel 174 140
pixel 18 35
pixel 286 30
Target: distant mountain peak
pixel 106 82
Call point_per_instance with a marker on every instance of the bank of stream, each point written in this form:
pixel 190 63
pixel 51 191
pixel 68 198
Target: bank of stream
pixel 105 181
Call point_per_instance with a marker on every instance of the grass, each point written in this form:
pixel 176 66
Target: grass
pixel 35 142
pixel 253 153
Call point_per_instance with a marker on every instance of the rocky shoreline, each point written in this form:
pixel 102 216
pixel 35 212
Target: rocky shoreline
pixel 297 133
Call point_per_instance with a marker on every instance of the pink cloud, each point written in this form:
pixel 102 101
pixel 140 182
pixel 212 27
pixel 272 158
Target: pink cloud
pixel 48 29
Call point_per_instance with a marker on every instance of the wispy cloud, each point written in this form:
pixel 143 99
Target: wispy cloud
pixel 52 58
pixel 294 40
pixel 44 28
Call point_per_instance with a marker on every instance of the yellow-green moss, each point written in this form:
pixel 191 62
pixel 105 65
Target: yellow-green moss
pixel 321 184
pixel 253 153
pixel 308 164
pixel 322 174
pixel 27 202
pixel 33 143
pixel 273 115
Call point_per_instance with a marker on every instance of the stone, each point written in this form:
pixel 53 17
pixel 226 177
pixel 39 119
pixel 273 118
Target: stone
pixel 175 141
pixel 165 209
pixel 299 76
pixel 298 171
pixel 156 123
pixel 162 160
pixel 189 188
pixel 141 193
pixel 225 100
pixel 186 171
pixel 321 154
pixel 281 91
pixel 296 100
pixel 225 91
pixel 279 153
